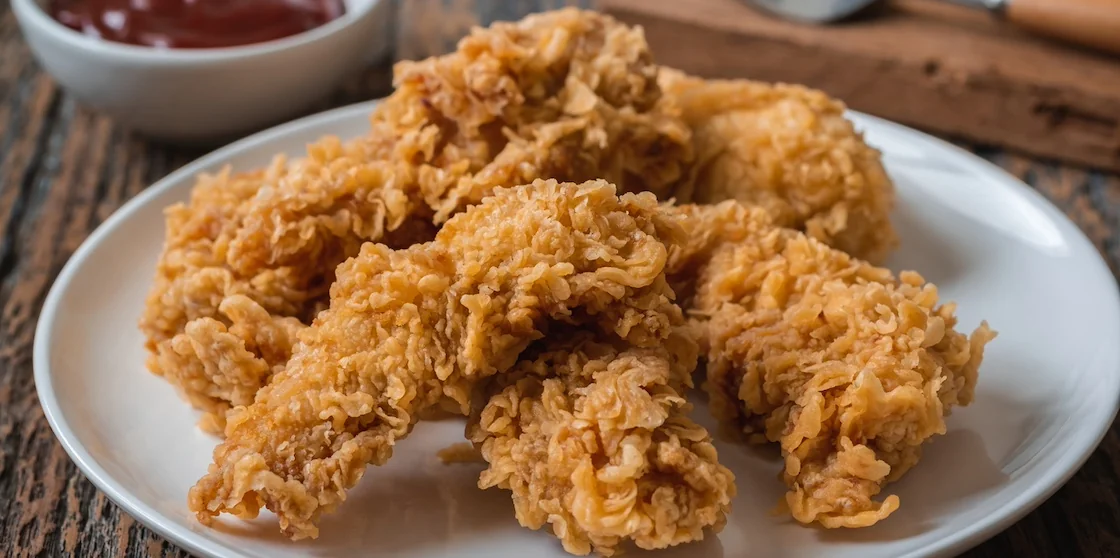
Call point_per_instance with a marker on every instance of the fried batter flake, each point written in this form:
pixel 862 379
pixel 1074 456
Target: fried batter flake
pixel 850 369
pixel 594 438
pixel 407 329
pixel 568 95
pixel 789 150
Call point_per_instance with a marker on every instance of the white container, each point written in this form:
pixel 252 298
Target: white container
pixel 204 94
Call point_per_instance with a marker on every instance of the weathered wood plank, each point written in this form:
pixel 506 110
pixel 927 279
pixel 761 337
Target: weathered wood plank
pixel 929 64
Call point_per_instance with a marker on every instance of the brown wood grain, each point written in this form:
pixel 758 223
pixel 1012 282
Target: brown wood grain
pixel 64 169
pixel 927 63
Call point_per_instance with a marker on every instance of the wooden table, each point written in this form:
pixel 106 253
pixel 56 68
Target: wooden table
pixel 64 169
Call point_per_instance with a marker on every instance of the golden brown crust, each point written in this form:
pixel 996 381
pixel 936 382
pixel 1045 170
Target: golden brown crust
pixel 589 429
pixel 593 437
pixel 569 95
pixel 789 150
pixel 205 268
pixel 408 328
pixel 850 369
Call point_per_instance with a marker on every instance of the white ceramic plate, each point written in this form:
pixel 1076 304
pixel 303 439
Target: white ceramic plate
pixel 1048 389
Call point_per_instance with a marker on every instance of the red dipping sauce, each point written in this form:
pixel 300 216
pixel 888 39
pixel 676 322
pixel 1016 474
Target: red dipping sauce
pixel 194 23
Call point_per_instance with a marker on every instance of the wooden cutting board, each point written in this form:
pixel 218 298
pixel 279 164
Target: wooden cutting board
pixel 947 69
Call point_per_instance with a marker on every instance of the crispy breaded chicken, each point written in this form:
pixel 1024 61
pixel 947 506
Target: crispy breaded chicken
pixel 218 327
pixel 789 150
pixel 569 95
pixel 409 328
pixel 850 369
pixel 315 306
pixel 593 437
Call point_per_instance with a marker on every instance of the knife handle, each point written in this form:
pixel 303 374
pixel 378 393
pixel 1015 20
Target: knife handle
pixel 1091 23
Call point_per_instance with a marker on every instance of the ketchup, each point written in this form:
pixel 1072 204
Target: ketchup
pixel 194 23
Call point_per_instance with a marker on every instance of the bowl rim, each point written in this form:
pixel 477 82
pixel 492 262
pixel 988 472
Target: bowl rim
pixel 33 13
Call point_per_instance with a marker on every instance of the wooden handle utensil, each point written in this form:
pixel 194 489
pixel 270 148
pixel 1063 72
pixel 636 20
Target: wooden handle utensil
pixel 1092 23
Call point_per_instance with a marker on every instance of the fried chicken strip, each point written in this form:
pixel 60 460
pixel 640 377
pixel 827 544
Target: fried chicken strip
pixel 570 95
pixel 789 150
pixel 567 94
pixel 409 328
pixel 208 310
pixel 592 435
pixel 850 369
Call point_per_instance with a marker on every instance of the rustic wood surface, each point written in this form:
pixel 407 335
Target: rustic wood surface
pixel 64 169
pixel 928 63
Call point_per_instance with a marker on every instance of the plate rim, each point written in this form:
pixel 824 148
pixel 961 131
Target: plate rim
pixel 44 388
pixel 1049 481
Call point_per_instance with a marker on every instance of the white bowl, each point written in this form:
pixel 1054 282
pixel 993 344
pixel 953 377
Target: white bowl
pixel 205 94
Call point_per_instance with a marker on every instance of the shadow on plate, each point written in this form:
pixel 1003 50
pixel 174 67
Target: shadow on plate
pixel 416 506
pixel 984 445
pixel 710 547
pixel 431 507
pixel 1012 428
pixel 434 506
pixel 923 248
pixel 954 469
